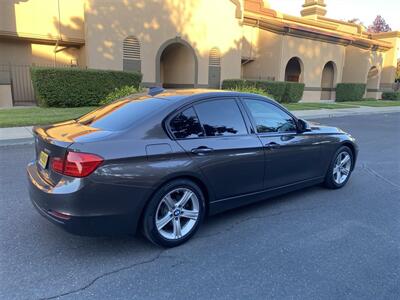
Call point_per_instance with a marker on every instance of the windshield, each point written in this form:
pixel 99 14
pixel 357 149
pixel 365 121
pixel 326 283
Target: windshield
pixel 122 114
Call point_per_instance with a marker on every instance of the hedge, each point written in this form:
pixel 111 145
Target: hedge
pixel 293 92
pixel 284 92
pixel 69 87
pixel 350 91
pixel 391 96
pixel 119 93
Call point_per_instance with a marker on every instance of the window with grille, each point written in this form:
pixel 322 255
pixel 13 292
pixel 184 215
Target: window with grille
pixel 215 57
pixel 131 54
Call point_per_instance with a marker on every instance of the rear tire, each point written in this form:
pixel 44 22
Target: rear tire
pixel 174 213
pixel 340 169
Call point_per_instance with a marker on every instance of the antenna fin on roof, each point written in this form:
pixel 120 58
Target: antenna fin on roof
pixel 155 90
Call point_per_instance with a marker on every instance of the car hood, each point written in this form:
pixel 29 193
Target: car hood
pixel 70 132
pixel 316 127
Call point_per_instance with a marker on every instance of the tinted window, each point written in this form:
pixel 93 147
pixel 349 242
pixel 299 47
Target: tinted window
pixel 221 118
pixel 122 114
pixel 186 125
pixel 270 118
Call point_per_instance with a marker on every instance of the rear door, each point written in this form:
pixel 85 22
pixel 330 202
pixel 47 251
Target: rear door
pixel 214 133
pixel 290 156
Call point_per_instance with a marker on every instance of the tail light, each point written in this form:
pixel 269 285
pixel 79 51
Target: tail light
pixel 76 164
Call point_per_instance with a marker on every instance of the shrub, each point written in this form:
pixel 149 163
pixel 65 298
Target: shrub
pixel 119 93
pixel 391 96
pixel 293 92
pixel 251 90
pixel 71 87
pixel 274 88
pixel 233 84
pixel 280 91
pixel 350 91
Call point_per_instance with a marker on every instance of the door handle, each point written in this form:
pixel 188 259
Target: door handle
pixel 272 145
pixel 201 150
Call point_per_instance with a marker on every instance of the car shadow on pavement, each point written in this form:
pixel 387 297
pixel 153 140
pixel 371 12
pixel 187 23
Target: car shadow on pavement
pixel 55 237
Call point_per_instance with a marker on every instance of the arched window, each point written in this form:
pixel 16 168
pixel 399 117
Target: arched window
pixel 214 68
pixel 373 81
pixel 294 70
pixel 131 54
pixel 328 81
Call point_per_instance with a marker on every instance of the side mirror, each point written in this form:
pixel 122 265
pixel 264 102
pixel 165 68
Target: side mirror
pixel 303 126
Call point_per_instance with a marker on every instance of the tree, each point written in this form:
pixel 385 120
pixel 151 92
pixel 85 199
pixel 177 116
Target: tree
pixel 379 25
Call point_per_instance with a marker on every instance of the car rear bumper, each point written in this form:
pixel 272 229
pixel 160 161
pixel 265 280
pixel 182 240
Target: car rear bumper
pixel 83 208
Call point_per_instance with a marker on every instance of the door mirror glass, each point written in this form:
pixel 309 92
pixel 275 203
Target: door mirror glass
pixel 304 126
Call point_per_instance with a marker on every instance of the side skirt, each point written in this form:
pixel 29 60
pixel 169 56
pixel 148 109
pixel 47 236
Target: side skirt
pixel 237 201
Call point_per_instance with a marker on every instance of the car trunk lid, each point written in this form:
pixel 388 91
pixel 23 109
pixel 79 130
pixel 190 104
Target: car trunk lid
pixel 53 142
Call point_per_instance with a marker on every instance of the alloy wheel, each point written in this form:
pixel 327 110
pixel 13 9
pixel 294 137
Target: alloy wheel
pixel 177 213
pixel 342 168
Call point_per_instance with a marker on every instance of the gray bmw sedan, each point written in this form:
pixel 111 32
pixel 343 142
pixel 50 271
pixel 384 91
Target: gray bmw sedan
pixel 162 162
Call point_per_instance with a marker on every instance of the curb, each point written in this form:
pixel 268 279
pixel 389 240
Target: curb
pixel 316 115
pixel 14 142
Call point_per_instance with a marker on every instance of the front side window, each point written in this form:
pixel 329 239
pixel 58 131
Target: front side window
pixel 186 125
pixel 269 118
pixel 221 118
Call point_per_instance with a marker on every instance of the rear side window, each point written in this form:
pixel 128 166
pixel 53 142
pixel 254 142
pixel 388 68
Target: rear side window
pixel 221 118
pixel 186 125
pixel 269 118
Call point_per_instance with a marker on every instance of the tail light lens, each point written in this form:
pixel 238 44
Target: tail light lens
pixel 76 164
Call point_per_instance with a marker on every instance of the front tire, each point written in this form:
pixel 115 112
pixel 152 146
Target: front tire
pixel 174 213
pixel 340 169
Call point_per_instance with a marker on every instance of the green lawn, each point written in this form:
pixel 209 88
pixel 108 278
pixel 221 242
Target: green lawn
pixel 312 105
pixel 14 117
pixel 375 103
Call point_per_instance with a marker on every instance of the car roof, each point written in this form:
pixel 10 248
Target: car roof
pixel 181 95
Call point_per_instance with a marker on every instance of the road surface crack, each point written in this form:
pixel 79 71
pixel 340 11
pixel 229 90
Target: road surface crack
pixel 156 257
pixel 376 174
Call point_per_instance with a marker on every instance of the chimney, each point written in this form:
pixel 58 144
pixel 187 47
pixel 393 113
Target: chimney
pixel 313 9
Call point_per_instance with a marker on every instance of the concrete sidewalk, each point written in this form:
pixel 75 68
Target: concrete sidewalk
pixel 23 135
pixel 16 135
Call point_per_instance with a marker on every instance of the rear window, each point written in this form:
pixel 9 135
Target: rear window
pixel 122 114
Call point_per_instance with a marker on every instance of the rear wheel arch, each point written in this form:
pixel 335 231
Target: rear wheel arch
pixel 155 211
pixel 200 183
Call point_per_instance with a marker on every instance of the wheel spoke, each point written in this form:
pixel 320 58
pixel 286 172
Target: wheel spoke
pixel 163 221
pixel 185 198
pixel 169 202
pixel 190 214
pixel 345 160
pixel 345 171
pixel 177 228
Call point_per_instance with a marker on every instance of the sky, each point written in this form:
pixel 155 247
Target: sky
pixel 365 10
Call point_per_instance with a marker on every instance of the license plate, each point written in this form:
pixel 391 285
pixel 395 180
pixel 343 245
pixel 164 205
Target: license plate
pixel 43 158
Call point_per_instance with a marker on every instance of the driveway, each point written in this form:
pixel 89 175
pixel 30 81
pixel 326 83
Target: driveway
pixel 312 244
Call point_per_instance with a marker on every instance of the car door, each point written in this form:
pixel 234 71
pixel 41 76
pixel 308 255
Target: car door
pixel 228 156
pixel 290 156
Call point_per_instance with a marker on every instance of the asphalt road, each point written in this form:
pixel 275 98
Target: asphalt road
pixel 312 244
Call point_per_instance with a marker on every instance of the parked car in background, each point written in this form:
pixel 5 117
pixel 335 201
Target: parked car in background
pixel 162 162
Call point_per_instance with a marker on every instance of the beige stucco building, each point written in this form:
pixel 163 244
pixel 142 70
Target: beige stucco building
pixel 186 43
